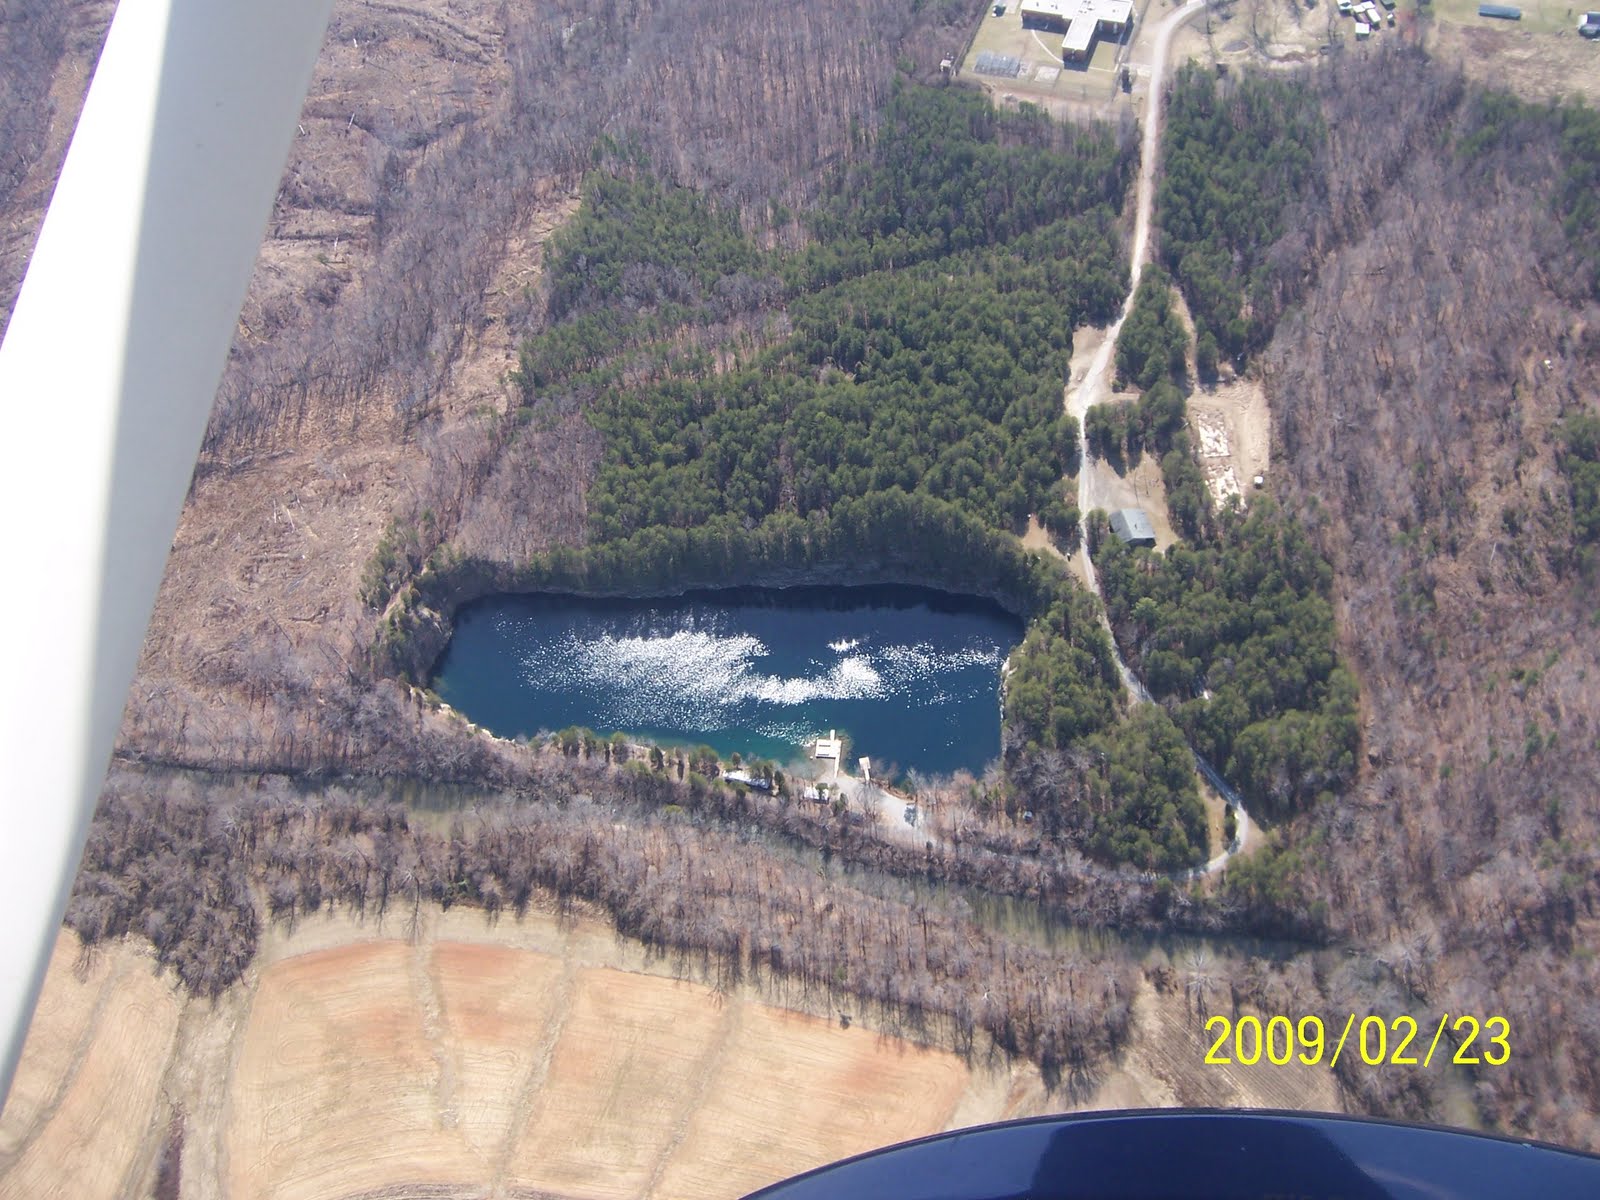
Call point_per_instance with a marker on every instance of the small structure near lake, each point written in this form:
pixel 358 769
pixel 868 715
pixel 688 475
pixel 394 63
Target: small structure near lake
pixel 1133 527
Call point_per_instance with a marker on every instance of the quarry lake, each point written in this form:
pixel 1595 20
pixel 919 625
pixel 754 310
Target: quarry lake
pixel 910 676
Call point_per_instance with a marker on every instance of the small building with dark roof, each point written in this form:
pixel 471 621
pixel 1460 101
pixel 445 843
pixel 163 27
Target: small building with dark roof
pixel 1589 27
pixel 1132 526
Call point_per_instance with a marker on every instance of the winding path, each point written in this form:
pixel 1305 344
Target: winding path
pixel 1092 389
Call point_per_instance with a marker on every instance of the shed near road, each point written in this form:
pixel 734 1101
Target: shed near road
pixel 1133 526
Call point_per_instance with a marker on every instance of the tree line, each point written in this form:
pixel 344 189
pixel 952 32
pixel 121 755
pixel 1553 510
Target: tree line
pixel 200 872
pixel 1428 469
pixel 949 172
pixel 1115 785
pixel 1497 119
pixel 882 536
pixel 1233 632
pixel 431 195
pixel 1580 459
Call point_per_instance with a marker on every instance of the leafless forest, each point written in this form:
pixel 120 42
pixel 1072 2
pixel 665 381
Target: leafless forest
pixel 184 866
pixel 438 146
pixel 31 37
pixel 1447 327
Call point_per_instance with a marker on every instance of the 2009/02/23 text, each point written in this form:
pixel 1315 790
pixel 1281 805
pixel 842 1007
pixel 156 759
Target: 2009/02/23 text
pixel 1380 1041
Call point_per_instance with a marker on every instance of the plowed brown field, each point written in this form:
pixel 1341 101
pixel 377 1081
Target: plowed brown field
pixel 526 1057
pixel 81 1120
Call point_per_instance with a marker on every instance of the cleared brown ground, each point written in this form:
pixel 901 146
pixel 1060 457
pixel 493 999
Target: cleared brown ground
pixel 1231 430
pixel 816 1083
pixel 628 1068
pixel 335 1087
pixel 81 1124
pixel 1037 539
pixel 1215 812
pixel 1086 342
pixel 1165 1065
pixel 541 1065
pixel 490 998
pixel 60 1030
pixel 537 1055
pixel 1139 487
pixel 1537 66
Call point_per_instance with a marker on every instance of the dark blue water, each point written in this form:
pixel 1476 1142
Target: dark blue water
pixel 911 676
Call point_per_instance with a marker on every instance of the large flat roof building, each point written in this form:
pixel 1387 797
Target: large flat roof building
pixel 1079 22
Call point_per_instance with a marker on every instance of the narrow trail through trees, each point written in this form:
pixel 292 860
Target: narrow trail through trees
pixel 1093 389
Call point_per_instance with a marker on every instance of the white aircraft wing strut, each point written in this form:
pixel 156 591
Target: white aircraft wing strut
pixel 107 376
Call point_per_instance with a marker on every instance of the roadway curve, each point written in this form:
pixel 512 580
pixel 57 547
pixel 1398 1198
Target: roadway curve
pixel 1093 388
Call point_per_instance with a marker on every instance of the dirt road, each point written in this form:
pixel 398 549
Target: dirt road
pixel 1093 388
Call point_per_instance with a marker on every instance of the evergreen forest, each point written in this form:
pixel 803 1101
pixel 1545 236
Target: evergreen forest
pixel 1232 632
pixel 888 390
pixel 918 342
pixel 1236 155
pixel 1235 635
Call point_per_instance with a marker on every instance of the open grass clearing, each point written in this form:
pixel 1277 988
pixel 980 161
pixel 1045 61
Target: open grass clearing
pixel 1536 66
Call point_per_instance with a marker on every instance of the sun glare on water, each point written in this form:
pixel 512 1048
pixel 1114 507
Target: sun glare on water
pixel 694 679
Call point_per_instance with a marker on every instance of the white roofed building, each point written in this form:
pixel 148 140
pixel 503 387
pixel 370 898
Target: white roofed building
pixel 1079 22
